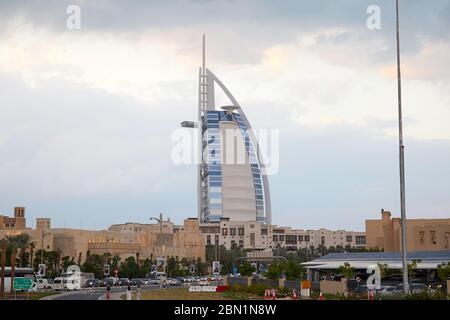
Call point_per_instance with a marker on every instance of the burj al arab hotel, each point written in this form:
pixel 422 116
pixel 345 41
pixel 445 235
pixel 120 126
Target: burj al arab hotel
pixel 231 183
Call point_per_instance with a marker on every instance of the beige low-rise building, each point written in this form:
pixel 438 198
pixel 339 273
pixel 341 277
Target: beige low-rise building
pixel 143 241
pixel 18 221
pixel 253 235
pixel 149 241
pixel 421 234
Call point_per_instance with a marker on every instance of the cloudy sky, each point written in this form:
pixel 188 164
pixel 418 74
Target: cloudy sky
pixel 86 115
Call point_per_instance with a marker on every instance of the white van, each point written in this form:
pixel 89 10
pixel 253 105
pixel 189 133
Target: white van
pixel 68 281
pixel 43 284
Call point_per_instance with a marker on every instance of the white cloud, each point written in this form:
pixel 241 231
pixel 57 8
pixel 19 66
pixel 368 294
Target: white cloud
pixel 89 114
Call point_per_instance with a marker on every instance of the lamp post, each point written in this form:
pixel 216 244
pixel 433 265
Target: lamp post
pixel 159 220
pixel 307 250
pixel 401 159
pixel 106 251
pixel 43 234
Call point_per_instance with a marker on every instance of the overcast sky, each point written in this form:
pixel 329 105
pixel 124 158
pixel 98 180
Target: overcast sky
pixel 86 115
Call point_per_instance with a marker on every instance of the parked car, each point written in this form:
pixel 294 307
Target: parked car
pixel 203 282
pixel 123 282
pixel 91 283
pixel 364 290
pixel 173 282
pixel 387 290
pixel 145 281
pixel 107 281
pixel 413 288
pixel 135 282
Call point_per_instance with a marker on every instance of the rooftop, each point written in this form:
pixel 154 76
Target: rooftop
pixel 362 260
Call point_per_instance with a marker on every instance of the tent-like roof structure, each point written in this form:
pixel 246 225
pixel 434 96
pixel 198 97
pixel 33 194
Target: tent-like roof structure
pixel 362 260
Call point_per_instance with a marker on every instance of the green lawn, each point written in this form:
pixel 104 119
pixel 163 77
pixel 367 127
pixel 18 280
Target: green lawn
pixel 184 294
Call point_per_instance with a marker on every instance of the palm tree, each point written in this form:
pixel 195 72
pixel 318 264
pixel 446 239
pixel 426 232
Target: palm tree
pixel 13 249
pixel 3 249
pixel 32 247
pixel 22 242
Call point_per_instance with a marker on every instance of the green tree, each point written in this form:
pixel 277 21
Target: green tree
pixel 347 271
pixel 67 261
pixel 293 271
pixel 383 269
pixel 246 269
pixel 412 266
pixel 93 264
pixel 274 271
pixel 3 249
pixel 443 271
pixel 21 242
pixel 129 268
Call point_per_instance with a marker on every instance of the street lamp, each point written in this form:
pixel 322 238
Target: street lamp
pixel 159 220
pixel 401 159
pixel 107 239
pixel 43 234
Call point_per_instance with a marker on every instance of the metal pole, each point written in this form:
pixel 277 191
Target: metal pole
pixel 42 247
pixel 402 160
pixel 307 249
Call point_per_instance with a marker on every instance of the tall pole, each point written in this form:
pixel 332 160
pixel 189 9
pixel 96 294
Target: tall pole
pixel 42 247
pixel 402 160
pixel 43 234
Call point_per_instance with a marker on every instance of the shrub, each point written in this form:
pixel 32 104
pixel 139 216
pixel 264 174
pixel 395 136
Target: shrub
pixel 258 289
pixel 236 288
pixel 427 295
pixel 283 292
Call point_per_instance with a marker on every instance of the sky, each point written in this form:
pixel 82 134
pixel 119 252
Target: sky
pixel 86 115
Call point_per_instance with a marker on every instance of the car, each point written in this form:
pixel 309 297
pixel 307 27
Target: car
pixel 363 290
pixel 203 282
pixel 181 279
pixel 173 282
pixel 123 282
pixel 91 283
pixel 413 287
pixel 387 290
pixel 107 282
pixel 135 282
pixel 144 281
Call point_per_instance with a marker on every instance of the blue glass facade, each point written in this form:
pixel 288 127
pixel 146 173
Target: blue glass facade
pixel 211 169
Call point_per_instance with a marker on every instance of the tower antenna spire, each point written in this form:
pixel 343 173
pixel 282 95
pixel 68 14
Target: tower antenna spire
pixel 204 54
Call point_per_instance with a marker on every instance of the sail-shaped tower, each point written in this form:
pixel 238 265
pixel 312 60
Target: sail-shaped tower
pixel 230 181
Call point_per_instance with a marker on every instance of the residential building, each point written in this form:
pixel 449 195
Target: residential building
pixel 254 235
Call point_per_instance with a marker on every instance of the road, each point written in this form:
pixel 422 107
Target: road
pixel 97 293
